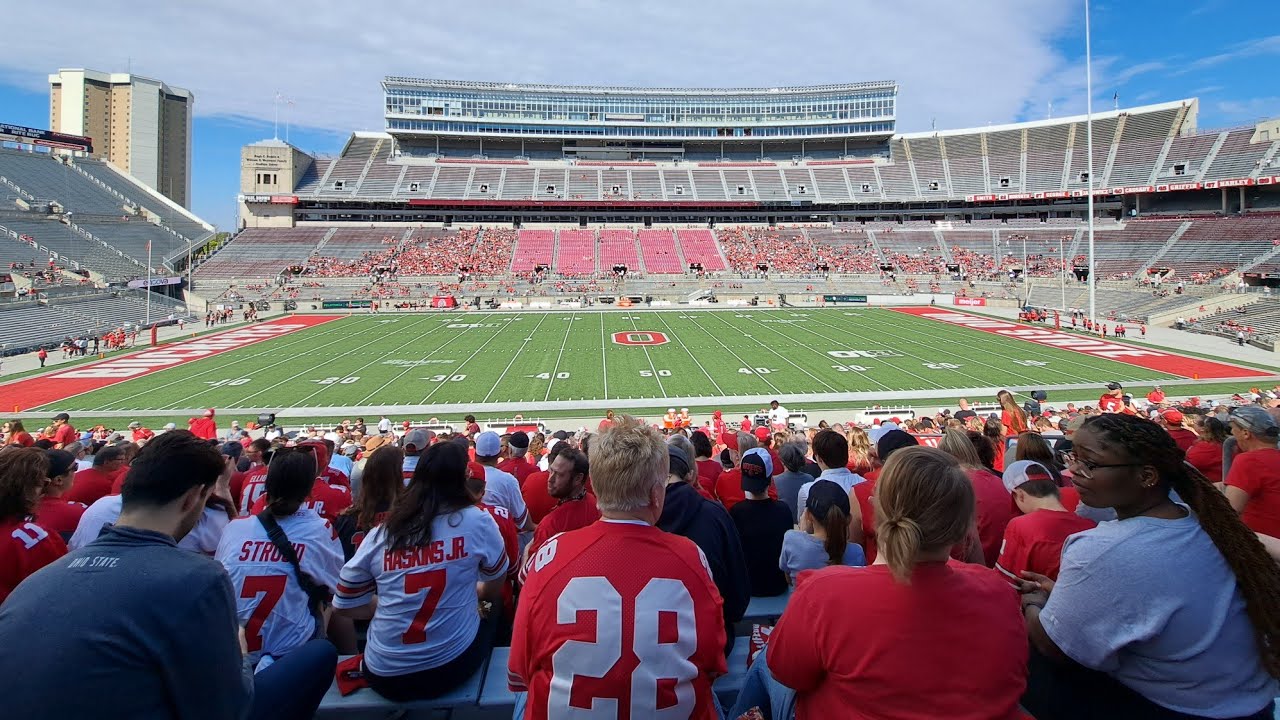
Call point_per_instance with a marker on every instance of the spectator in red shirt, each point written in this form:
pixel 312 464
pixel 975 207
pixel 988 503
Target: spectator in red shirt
pixel 729 483
pixel 473 427
pixel 1113 399
pixel 932 617
pixel 26 545
pixel 606 423
pixel 1156 396
pixel 92 484
pixel 205 426
pixel 516 463
pixel 1253 483
pixel 576 505
pixel 54 513
pixel 1173 422
pixel 1205 454
pixel 16 434
pixel 1012 417
pixel 138 433
pixel 994 509
pixel 63 433
pixel 709 470
pixel 1033 540
pixel 534 487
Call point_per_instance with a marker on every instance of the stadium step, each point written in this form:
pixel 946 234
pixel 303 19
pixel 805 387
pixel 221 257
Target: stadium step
pixel 1213 154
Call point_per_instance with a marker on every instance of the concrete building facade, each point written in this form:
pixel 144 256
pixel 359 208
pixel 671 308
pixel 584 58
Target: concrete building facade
pixel 140 125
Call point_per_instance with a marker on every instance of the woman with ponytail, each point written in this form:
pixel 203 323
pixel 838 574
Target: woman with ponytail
pixel 828 544
pixel 1171 611
pixel 912 635
pixel 278 613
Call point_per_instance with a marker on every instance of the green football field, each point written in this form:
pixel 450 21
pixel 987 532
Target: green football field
pixel 527 361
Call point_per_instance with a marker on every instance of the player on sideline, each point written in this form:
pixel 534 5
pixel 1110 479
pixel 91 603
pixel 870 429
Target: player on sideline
pixel 629 639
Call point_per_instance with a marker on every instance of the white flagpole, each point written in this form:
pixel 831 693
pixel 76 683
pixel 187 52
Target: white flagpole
pixel 1088 73
pixel 148 287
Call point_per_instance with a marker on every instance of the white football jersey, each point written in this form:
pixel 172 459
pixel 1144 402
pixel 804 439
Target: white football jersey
pixel 503 490
pixel 427 613
pixel 203 538
pixel 270 603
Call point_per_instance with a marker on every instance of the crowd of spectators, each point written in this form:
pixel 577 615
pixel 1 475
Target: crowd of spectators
pixel 1014 535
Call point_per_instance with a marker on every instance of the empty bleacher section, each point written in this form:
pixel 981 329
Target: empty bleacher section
pixel 576 253
pixel 533 248
pixel 1121 253
pixel 698 246
pixel 1214 247
pixel 345 174
pixel 618 247
pixel 25 324
pixel 658 248
pixel 1238 157
pixel 260 254
pixel 175 219
pixel 73 249
pixel 1258 321
pixel 46 179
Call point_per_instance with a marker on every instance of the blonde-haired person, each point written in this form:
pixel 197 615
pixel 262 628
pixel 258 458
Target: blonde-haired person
pixel 861 459
pixel 994 506
pixel 899 638
pixel 581 570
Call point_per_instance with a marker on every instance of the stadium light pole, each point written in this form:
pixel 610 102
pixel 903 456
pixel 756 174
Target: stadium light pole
pixel 1088 83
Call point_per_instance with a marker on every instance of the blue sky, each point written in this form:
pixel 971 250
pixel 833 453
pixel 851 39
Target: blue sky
pixel 959 64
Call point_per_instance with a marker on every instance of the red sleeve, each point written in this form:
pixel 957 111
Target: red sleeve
pixel 792 653
pixel 510 539
pixel 518 671
pixel 1013 551
pixel 1243 477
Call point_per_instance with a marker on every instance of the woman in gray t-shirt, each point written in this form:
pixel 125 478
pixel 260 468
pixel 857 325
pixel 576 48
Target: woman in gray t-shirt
pixel 1171 610
pixel 828 510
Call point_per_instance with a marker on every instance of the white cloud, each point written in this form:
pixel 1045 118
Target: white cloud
pixel 964 64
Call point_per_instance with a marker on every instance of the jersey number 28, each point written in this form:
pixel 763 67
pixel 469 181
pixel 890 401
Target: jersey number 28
pixel 658 660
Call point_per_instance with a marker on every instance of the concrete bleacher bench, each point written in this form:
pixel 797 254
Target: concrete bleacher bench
pixel 486 694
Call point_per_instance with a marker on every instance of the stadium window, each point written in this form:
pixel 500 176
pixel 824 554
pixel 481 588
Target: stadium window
pixel 551 190
pixel 934 185
pixel 1084 177
pixel 866 187
pixel 1180 169
pixel 484 187
pixel 742 190
pixel 339 184
pixel 802 190
pixel 1004 182
pixel 679 190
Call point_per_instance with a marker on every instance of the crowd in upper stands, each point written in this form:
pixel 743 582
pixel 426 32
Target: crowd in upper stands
pixel 908 548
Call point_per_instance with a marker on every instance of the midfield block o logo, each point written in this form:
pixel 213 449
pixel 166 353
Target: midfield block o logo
pixel 640 337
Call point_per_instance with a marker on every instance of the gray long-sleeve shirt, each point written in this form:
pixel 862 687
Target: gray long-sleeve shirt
pixel 129 626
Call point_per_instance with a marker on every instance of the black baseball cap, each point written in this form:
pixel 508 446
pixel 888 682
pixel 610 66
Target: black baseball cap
pixel 61 416
pixel 823 495
pixel 756 467
pixel 1114 386
pixel 519 439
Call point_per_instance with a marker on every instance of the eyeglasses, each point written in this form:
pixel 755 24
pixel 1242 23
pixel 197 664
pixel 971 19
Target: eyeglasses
pixel 1086 468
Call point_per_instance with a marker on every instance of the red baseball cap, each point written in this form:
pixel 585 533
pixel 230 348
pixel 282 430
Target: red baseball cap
pixel 1173 417
pixel 475 471
pixel 729 440
pixel 762 433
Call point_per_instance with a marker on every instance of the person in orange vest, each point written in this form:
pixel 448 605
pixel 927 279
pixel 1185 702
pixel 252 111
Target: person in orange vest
pixel 669 420
pixel 685 420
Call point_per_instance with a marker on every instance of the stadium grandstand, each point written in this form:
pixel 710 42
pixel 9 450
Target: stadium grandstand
pixel 452 310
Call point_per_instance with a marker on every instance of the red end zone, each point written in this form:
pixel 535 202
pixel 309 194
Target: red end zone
pixel 34 392
pixel 1143 357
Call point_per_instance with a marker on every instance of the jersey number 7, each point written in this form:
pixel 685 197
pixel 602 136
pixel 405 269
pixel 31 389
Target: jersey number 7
pixel 433 582
pixel 272 588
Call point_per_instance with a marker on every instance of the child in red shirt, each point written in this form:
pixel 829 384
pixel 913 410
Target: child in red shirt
pixel 1033 541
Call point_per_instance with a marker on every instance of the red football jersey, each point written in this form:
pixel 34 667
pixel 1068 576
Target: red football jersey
pixel 624 639
pixel 327 500
pixel 25 547
pixel 519 467
pixel 91 485
pixel 570 515
pixel 1034 542
pixel 253 485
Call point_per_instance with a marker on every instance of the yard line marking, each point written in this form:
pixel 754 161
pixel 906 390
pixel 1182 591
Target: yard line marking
pixel 463 364
pixel 411 367
pixel 563 342
pixel 649 358
pixel 825 384
pixel 516 356
pixel 828 359
pixel 693 357
pixel 604 363
pixel 410 332
pixel 692 318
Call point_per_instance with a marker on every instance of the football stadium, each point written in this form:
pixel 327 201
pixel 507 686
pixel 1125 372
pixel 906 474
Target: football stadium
pixel 626 366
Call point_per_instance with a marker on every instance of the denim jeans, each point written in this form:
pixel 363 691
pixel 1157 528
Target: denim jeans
pixel 293 686
pixel 760 689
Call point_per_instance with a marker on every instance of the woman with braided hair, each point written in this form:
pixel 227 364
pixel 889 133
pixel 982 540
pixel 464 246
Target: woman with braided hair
pixel 1170 611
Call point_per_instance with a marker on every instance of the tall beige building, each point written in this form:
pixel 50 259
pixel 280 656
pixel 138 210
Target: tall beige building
pixel 140 125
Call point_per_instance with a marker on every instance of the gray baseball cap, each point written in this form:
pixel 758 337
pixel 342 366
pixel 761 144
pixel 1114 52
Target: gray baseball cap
pixel 1255 419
